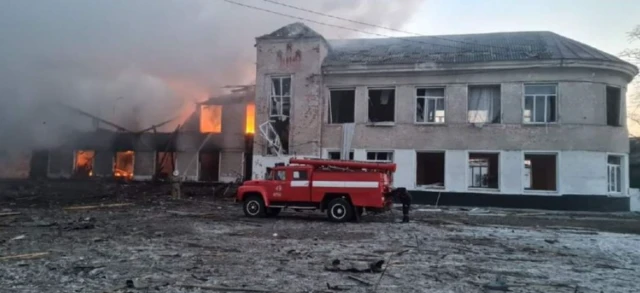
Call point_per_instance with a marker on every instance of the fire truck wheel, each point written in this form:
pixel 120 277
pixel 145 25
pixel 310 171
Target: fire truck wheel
pixel 254 207
pixel 340 210
pixel 273 212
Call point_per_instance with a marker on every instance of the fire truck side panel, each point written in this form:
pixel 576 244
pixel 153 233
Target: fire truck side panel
pixel 364 189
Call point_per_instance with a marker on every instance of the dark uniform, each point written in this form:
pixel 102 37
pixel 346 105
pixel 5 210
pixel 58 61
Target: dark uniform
pixel 401 194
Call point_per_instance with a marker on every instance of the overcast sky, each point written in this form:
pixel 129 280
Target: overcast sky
pixel 162 55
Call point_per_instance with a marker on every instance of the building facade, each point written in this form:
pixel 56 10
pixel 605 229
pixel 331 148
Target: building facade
pixel 517 119
pixel 213 144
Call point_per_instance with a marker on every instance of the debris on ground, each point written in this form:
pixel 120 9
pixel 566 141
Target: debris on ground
pixel 209 246
pixel 337 265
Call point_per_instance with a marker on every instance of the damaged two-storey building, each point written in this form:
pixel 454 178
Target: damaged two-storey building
pixel 521 119
pixel 213 144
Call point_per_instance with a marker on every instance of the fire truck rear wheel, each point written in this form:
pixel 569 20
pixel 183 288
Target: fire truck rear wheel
pixel 254 207
pixel 340 210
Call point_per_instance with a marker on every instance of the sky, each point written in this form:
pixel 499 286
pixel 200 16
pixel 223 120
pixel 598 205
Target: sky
pixel 160 56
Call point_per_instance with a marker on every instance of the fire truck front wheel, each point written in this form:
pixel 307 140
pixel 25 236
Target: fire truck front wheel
pixel 340 210
pixel 254 207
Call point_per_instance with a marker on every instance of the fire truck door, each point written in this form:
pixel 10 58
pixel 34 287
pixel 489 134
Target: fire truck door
pixel 299 188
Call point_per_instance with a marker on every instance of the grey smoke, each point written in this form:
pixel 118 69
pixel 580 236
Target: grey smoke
pixel 108 57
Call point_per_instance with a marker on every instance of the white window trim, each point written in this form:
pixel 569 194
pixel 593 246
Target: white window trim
pixel 393 155
pixel 501 103
pixel 272 95
pixel 524 97
pixel 467 173
pixel 415 105
pixel 426 187
pixel 623 174
pixel 395 105
pixel 558 190
pixel 327 151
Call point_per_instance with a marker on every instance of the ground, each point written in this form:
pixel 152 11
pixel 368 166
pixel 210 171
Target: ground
pixel 150 243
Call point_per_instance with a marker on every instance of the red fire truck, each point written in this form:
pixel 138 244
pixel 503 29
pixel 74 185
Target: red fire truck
pixel 341 188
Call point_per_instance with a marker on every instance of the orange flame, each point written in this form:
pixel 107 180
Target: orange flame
pixel 210 118
pixel 123 165
pixel 84 163
pixel 250 120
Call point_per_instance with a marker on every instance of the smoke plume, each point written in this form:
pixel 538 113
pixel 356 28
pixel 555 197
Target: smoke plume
pixel 109 58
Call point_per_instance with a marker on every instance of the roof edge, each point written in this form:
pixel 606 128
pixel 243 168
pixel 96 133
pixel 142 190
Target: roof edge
pixel 628 69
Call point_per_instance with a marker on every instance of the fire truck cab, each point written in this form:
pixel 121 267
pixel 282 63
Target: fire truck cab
pixel 341 188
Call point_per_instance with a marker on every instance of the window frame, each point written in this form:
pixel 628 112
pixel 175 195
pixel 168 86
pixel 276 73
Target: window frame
pixel 546 96
pixel 557 191
pixel 621 121
pixel 377 152
pixel 395 105
pixel 426 98
pixel 351 154
pixel 621 173
pixel 331 89
pixel 444 169
pixel 500 114
pixel 499 166
pixel 293 175
pixel 280 110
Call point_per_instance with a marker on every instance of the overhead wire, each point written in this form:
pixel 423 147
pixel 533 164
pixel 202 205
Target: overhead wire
pixel 378 26
pixel 338 26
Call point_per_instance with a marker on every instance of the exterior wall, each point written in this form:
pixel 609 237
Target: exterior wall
pixel 579 172
pixel 233 127
pixel 144 165
pixel 306 89
pixel 581 113
pixel 61 163
pixel 103 164
pixel 231 165
pixel 187 164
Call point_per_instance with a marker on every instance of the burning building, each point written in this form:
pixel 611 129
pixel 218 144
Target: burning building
pixel 213 144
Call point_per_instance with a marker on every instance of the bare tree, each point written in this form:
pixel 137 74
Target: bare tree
pixel 633 55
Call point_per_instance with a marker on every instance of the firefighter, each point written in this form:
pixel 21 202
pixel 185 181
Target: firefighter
pixel 175 184
pixel 401 194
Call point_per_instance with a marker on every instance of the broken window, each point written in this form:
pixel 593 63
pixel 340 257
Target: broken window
pixel 382 105
pixel 614 173
pixel 165 164
pixel 280 105
pixel 123 165
pixel 540 103
pixel 211 118
pixel 484 104
pixel 209 166
pixel 430 169
pixel 336 155
pixel 613 106
pixel 430 105
pixel 276 130
pixel 250 119
pixel 540 172
pixel 84 163
pixel 342 106
pixel 483 170
pixel 380 156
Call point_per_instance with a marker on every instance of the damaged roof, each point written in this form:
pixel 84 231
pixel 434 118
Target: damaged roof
pixel 505 46
pixel 296 30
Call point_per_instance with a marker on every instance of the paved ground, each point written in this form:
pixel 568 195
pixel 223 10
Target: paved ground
pixel 161 245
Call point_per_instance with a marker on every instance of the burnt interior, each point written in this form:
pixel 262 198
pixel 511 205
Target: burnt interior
pixel 430 169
